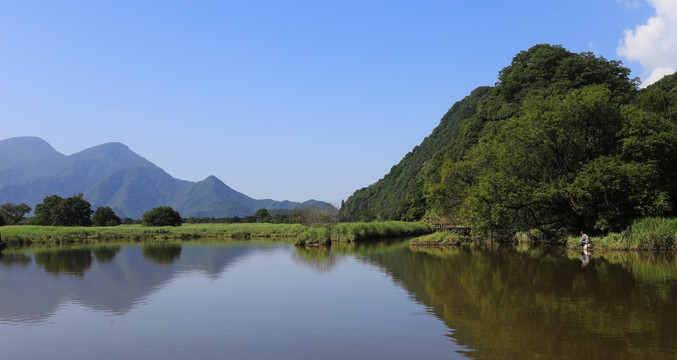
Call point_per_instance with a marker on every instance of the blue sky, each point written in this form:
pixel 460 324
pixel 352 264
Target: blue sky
pixel 289 100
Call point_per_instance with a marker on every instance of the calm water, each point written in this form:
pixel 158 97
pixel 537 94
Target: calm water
pixel 270 300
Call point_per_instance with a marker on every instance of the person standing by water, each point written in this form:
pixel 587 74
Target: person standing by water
pixel 585 240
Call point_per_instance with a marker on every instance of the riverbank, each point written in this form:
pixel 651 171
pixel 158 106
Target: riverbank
pixel 31 234
pixel 643 234
pixel 352 232
pixel 304 235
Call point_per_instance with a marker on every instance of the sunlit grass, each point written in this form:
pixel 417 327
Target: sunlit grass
pixel 57 234
pixel 351 232
pixel 644 234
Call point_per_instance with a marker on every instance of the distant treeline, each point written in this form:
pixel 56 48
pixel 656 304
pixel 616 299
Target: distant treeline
pixel 76 211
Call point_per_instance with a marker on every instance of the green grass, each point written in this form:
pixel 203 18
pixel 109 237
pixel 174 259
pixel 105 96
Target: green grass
pixel 55 234
pixel 352 232
pixel 440 238
pixel 305 235
pixel 645 234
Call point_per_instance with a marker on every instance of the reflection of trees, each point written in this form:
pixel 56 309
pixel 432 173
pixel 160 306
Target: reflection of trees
pixel 105 254
pixel 162 253
pixel 507 304
pixel 321 258
pixel 68 261
pixel 15 259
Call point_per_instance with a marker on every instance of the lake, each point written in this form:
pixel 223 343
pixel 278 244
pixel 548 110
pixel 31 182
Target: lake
pixel 262 299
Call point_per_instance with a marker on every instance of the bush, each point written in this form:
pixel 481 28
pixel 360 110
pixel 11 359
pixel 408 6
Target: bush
pixel 105 216
pixel 161 216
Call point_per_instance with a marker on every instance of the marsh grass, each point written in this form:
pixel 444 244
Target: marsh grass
pixel 352 232
pixel 378 230
pixel 305 235
pixel 645 234
pixel 28 234
pixel 439 238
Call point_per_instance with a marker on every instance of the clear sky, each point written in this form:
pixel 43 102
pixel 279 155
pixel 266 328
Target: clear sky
pixel 289 100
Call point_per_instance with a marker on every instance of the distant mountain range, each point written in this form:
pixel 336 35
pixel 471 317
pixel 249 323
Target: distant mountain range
pixel 112 175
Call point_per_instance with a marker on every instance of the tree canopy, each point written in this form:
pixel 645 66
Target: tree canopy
pixel 105 216
pixel 161 216
pixel 12 214
pixel 57 211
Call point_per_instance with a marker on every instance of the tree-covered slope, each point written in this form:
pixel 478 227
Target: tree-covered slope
pixel 565 142
pixel 542 71
pixel 384 197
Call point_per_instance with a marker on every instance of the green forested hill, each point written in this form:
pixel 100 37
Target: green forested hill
pixel 562 141
pixel 384 198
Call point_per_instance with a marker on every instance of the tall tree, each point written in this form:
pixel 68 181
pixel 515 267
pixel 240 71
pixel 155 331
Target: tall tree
pixel 14 214
pixel 105 216
pixel 57 211
pixel 161 216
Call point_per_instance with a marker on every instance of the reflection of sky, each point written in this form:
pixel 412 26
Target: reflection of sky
pixel 264 306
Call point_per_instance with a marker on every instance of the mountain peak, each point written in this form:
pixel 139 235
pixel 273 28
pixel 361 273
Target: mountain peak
pixel 112 151
pixel 112 175
pixel 26 148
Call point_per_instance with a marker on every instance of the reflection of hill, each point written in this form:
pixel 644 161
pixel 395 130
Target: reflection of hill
pixel 506 304
pixel 33 290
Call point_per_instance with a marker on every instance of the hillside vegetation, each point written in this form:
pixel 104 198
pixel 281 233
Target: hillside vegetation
pixel 562 142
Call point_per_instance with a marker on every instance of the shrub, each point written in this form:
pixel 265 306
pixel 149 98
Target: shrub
pixel 161 216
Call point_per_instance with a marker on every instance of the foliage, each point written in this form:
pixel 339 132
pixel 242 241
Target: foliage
pixel 563 142
pixel 52 234
pixel 262 215
pixel 648 233
pixel 543 71
pixel 440 238
pixel 391 196
pixel 105 216
pixel 11 214
pixel 57 211
pixel 161 216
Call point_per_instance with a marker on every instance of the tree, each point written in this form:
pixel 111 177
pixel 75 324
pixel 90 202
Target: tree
pixel 161 216
pixel 73 211
pixel 13 214
pixel 43 211
pixel 105 216
pixel 262 215
pixel 57 211
pixel 580 161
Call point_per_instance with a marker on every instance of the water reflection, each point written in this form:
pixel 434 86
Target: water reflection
pixel 119 279
pixel 67 261
pixel 105 254
pixel 162 253
pixel 542 303
pixel 495 301
pixel 15 259
pixel 585 258
pixel 321 259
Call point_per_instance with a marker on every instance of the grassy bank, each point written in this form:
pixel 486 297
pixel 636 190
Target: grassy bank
pixel 439 238
pixel 351 232
pixel 345 232
pixel 644 234
pixel 54 234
